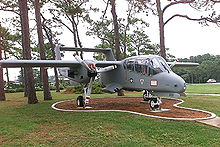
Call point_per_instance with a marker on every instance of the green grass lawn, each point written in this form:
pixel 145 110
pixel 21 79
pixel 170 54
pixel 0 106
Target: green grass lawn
pixel 203 88
pixel 39 125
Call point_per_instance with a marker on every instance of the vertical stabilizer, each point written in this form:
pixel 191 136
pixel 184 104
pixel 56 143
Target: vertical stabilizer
pixel 64 70
pixel 57 52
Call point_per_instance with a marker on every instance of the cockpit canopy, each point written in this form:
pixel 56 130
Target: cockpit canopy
pixel 148 65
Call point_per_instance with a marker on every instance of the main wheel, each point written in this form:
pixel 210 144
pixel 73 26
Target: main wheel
pixel 154 104
pixel 80 101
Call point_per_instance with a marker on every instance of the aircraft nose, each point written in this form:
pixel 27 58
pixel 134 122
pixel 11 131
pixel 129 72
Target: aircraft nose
pixel 179 84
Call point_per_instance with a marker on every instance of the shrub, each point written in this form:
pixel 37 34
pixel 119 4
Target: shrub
pixel 19 89
pixel 10 91
pixel 78 89
pixel 52 87
pixel 38 89
pixel 61 87
pixel 97 87
pixel 70 88
pixel 14 85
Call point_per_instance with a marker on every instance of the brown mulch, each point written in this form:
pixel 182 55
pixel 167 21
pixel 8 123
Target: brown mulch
pixel 135 105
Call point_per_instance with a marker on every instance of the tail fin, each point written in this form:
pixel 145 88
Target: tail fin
pixel 57 52
pixel 64 70
pixel 108 52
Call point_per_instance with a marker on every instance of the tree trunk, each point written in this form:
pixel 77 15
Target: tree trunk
pixel 7 75
pixel 116 32
pixel 57 83
pixel 56 80
pixel 23 81
pixel 44 74
pixel 49 35
pixel 2 83
pixel 74 33
pixel 161 28
pixel 28 72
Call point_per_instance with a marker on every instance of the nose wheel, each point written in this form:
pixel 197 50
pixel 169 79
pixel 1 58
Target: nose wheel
pixel 155 104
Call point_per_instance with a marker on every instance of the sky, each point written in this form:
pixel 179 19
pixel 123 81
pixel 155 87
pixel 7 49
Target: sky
pixel 184 38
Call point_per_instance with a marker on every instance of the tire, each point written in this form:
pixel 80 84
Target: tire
pixel 80 101
pixel 153 104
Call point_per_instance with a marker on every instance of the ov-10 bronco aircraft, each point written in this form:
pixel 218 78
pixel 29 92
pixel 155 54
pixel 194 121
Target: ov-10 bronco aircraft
pixel 148 73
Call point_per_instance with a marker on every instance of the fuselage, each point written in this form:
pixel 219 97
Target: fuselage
pixel 146 72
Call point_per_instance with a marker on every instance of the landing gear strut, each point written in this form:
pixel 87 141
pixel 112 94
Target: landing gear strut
pixel 81 102
pixel 147 96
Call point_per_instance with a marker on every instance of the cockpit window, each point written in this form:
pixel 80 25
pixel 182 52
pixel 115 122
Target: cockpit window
pixel 158 65
pixel 163 64
pixel 140 66
pixel 130 65
pixel 147 66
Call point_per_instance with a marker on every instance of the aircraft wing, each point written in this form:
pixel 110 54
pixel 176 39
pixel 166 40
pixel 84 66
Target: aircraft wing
pixel 183 64
pixel 52 63
pixel 38 63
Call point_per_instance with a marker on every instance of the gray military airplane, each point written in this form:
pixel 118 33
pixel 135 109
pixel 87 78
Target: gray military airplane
pixel 148 73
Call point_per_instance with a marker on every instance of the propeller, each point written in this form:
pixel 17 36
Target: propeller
pixel 92 73
pixel 91 66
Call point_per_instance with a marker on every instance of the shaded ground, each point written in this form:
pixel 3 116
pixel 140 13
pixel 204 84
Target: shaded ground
pixel 135 105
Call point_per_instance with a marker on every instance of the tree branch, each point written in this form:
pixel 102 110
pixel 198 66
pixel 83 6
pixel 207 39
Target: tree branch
pixel 10 10
pixel 215 1
pixel 194 19
pixel 177 2
pixel 63 24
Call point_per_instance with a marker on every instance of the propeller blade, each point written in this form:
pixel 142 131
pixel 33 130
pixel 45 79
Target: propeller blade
pixel 83 63
pixel 108 68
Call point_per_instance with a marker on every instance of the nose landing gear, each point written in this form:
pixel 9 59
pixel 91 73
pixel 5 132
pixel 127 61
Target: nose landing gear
pixel 155 103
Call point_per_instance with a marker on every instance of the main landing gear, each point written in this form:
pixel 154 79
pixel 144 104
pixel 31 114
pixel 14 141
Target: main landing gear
pixel 80 101
pixel 155 103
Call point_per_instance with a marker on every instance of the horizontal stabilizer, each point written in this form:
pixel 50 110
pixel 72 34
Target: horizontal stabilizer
pixel 85 49
pixel 183 64
pixel 107 51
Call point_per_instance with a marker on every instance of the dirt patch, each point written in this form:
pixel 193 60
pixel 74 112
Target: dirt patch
pixel 2 139
pixel 135 105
